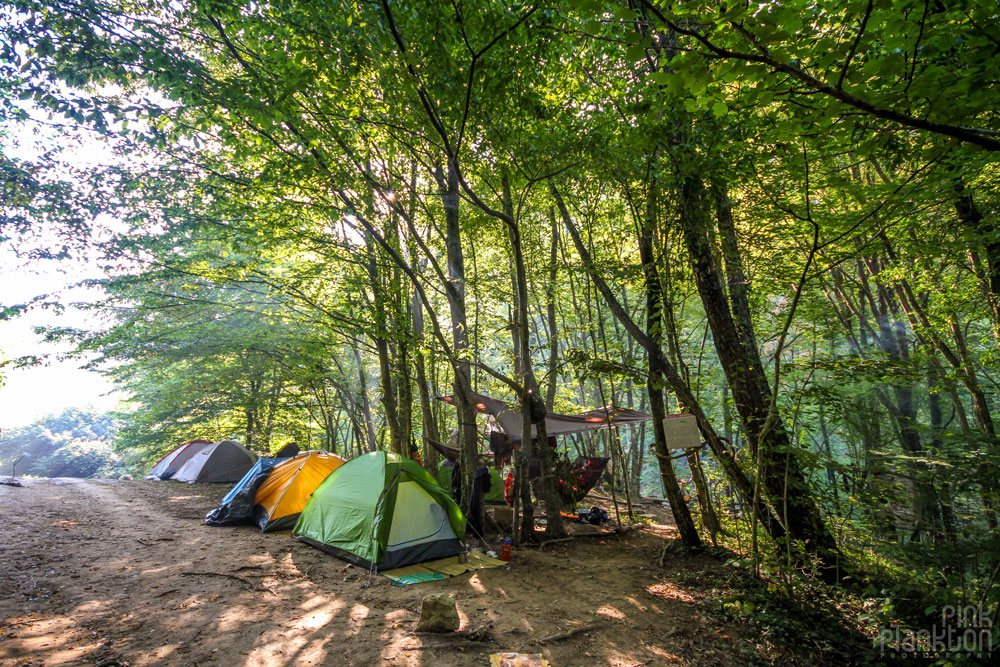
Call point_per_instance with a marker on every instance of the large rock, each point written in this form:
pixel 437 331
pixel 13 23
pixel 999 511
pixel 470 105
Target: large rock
pixel 438 614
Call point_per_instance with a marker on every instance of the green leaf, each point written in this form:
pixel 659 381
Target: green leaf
pixel 661 78
pixel 635 52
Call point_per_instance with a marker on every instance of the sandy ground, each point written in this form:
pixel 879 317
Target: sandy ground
pixel 100 573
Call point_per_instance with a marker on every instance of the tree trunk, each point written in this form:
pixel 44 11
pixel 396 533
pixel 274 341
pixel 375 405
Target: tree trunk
pixel 683 391
pixel 782 476
pixel 467 434
pixel 532 404
pixel 736 280
pixel 429 426
pixel 989 241
pixel 366 407
pixel 550 310
pixel 381 340
pixel 654 329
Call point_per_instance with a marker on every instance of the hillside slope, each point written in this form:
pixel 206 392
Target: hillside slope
pixel 74 443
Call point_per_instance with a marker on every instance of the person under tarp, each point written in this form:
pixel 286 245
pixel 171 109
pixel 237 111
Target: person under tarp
pixel 446 478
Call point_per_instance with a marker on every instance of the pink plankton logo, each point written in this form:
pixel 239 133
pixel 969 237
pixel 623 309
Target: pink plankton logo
pixel 964 632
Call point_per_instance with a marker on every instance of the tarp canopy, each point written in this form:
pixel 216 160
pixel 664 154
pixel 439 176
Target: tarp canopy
pixel 508 417
pixel 452 454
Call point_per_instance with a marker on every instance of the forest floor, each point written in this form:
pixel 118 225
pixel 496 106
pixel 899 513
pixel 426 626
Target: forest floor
pixel 100 572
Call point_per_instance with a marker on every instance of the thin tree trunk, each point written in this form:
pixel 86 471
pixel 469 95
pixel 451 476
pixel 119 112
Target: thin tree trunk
pixel 429 426
pixel 532 404
pixel 381 340
pixel 725 457
pixel 467 434
pixel 654 329
pixel 366 408
pixel 782 476
pixel 550 309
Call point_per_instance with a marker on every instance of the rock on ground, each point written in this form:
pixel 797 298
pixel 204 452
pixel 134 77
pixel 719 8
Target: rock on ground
pixel 438 613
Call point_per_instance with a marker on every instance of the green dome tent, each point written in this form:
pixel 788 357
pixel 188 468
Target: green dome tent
pixel 382 510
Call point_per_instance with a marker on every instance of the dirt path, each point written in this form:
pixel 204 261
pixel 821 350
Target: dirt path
pixel 97 572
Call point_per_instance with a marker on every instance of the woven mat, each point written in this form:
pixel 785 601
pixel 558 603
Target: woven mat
pixel 443 568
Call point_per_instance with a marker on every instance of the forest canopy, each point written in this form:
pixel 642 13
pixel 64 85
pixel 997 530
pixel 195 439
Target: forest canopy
pixel 779 217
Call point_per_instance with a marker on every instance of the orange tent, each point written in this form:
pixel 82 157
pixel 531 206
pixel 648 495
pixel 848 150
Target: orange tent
pixel 289 485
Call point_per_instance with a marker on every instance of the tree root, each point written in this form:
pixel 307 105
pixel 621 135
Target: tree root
pixel 597 533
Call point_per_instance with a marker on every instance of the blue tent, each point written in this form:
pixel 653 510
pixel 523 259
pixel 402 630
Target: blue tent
pixel 237 505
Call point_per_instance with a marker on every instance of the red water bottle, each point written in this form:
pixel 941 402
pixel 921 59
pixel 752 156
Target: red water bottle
pixel 505 551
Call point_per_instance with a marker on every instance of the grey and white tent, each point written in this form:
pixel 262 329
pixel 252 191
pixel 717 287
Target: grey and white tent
pixel 225 461
pixel 168 466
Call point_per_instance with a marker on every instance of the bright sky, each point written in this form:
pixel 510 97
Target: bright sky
pixel 29 393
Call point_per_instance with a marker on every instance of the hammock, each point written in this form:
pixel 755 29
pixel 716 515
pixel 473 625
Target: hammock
pixel 583 476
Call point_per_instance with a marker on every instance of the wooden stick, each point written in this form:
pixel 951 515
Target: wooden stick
pixel 247 582
pixel 462 644
pixel 573 537
pixel 570 633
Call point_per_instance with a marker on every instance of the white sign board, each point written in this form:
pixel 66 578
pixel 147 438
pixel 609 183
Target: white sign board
pixel 682 432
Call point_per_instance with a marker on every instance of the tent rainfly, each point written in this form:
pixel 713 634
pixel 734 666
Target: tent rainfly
pixel 382 511
pixel 509 417
pixel 168 466
pixel 225 461
pixel 284 494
